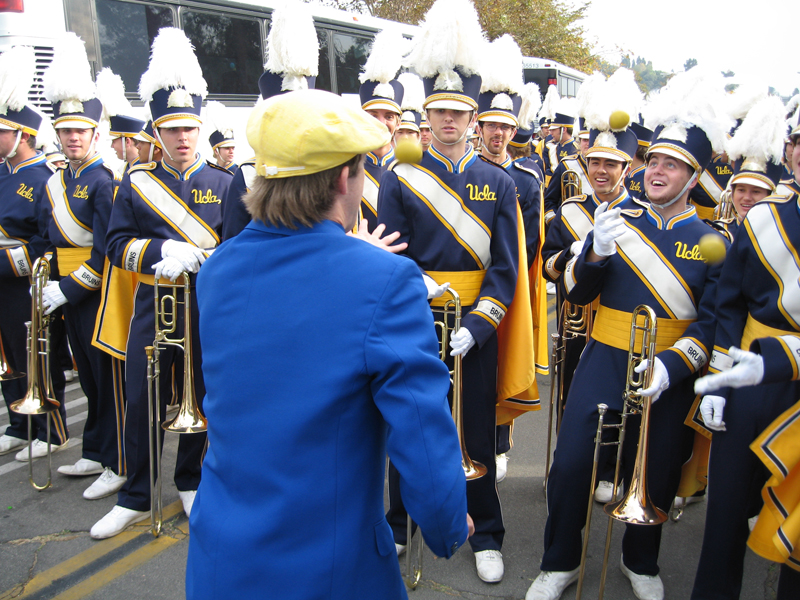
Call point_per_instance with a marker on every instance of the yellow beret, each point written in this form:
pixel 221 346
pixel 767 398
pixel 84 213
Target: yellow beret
pixel 308 131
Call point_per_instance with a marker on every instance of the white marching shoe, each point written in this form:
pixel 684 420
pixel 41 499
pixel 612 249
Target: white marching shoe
pixel 83 467
pixel 602 493
pixel 549 585
pixel 116 521
pixel 645 587
pixel 489 564
pixel 187 498
pixel 38 450
pixel 9 443
pixel 501 460
pixel 108 483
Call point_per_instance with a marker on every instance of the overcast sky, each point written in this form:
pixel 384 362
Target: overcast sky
pixel 759 40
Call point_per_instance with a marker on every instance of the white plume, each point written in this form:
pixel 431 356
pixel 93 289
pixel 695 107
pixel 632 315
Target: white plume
pixel 69 76
pixel 385 57
pixel 502 67
pixel 743 98
pixel 551 99
pixel 17 66
pixel 292 44
pixel 692 98
pixel 618 93
pixel 46 138
pixel 569 107
pixel 450 36
pixel 413 92
pixel 111 92
pixel 762 133
pixel 587 94
pixel 792 105
pixel 173 64
pixel 217 117
pixel 531 103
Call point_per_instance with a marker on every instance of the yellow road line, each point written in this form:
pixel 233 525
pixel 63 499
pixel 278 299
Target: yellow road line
pixel 119 568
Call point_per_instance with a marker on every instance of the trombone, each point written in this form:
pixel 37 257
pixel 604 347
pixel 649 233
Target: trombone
pixel 576 322
pixel 189 418
pixel 725 210
pixel 570 184
pixel 635 507
pixel 472 469
pixel 40 398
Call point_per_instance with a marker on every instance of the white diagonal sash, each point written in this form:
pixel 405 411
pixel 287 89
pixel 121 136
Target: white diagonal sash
pixel 710 185
pixel 249 175
pixel 448 208
pixel 370 193
pixel 574 165
pixel 173 210
pixel 666 285
pixel 75 232
pixel 769 237
pixel 577 220
pixel 6 241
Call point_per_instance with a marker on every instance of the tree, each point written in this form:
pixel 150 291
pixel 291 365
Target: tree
pixel 690 62
pixel 545 28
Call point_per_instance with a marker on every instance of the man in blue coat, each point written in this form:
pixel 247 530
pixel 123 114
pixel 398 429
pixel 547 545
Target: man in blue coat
pixel 332 390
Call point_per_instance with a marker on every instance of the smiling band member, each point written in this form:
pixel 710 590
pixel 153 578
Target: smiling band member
pixel 458 213
pixel 637 255
pixel 166 216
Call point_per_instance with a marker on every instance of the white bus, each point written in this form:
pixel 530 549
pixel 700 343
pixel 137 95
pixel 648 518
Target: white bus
pixel 546 72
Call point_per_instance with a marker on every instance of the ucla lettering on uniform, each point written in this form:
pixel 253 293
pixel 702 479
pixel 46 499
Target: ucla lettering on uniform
pixel 26 192
pixel 484 195
pixel 724 170
pixel 684 252
pixel 635 187
pixel 81 192
pixel 208 198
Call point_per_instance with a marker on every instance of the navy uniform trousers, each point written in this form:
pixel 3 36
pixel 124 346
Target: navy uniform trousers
pixel 15 300
pixel 135 493
pixel 479 384
pixel 568 493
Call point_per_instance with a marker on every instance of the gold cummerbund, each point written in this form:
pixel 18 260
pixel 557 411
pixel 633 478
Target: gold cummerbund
pixel 704 212
pixel 613 328
pixel 754 330
pixel 69 259
pixel 466 283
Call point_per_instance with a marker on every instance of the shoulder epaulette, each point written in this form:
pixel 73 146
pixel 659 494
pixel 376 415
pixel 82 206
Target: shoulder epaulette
pixel 641 203
pixel 143 167
pixel 52 167
pixel 494 164
pixel 111 172
pixel 632 212
pixel 218 168
pixel 249 161
pixel 579 198
pixel 778 199
pixel 527 170
pixel 719 227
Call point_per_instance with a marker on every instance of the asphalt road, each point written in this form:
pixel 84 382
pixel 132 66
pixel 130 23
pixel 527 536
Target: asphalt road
pixel 46 551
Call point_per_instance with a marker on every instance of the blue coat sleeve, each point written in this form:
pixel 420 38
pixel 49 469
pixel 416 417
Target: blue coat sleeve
pixel 124 230
pixel 780 361
pixel 552 196
pixel 409 385
pixel 556 251
pixel 234 214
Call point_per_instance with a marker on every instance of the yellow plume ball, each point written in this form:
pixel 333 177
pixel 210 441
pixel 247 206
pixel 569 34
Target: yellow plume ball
pixel 712 248
pixel 619 119
pixel 408 151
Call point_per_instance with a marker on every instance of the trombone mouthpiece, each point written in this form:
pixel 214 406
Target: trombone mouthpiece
pixel 602 408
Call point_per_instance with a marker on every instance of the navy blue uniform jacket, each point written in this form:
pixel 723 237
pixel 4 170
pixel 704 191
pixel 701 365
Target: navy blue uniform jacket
pixel 323 348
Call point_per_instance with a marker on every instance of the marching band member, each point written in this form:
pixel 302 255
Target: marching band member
pixel 24 218
pixel 634 181
pixel 292 64
pixel 425 133
pixel 81 197
pixel 381 96
pixel 166 217
pixel 221 139
pixel 123 128
pixel 639 255
pixel 547 147
pixel 147 145
pixel 411 119
pixel 458 214
pixel 502 99
pixel 757 295
pixel 323 523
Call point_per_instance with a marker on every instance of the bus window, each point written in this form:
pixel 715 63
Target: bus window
pixel 351 53
pixel 323 81
pixel 229 50
pixel 126 34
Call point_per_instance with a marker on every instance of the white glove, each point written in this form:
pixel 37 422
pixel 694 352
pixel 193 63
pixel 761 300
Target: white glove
pixel 711 408
pixel 748 371
pixel 170 268
pixel 52 297
pixel 461 341
pixel 660 381
pixel 577 247
pixel 608 226
pixel 434 289
pixel 191 257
